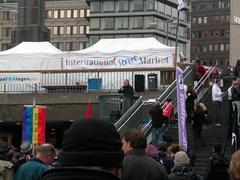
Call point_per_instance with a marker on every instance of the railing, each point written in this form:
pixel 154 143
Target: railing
pixel 135 113
pixel 75 81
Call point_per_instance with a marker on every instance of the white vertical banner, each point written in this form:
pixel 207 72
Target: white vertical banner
pixel 181 4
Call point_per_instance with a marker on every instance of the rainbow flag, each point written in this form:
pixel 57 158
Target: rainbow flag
pixel 34 124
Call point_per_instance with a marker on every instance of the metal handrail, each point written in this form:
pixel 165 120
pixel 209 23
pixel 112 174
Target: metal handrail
pixel 125 115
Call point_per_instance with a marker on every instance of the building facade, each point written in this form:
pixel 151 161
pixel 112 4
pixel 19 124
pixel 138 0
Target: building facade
pixel 210 29
pixel 137 19
pixel 67 22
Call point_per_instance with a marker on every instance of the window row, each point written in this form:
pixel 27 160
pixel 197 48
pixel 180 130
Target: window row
pixel 6 31
pixel 210 34
pixel 210 19
pixel 70 46
pixel 210 48
pixel 135 5
pixel 8 15
pixel 69 30
pixel 69 13
pixel 211 5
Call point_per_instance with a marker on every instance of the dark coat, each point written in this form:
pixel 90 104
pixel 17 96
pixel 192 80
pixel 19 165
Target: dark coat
pixel 157 118
pixel 184 173
pixel 138 166
pixel 31 170
pixel 198 119
pixel 77 173
pixel 127 91
pixel 190 100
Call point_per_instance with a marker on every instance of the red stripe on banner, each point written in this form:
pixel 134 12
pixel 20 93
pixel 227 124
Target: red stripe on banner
pixel 41 125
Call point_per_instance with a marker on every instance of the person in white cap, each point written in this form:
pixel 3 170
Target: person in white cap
pixel 182 168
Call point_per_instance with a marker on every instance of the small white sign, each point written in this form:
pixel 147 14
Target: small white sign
pixel 20 78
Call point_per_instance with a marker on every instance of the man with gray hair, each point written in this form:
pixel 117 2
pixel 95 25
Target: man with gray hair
pixel 34 168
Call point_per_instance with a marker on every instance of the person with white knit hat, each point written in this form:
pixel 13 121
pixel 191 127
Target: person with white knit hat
pixel 182 168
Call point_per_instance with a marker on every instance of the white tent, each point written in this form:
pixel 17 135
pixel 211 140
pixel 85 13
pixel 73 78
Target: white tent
pixel 122 53
pixel 31 56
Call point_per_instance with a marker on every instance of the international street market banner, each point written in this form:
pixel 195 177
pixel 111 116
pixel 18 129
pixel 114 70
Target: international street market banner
pixel 20 78
pixel 118 62
pixel 182 132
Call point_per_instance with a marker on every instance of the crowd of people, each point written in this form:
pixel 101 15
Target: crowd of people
pixel 93 149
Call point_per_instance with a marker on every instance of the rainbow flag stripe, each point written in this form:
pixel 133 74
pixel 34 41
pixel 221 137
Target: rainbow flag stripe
pixel 34 124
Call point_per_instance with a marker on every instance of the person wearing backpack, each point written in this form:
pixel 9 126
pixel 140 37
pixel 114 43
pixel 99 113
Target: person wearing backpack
pixel 217 167
pixel 182 169
pixel 168 108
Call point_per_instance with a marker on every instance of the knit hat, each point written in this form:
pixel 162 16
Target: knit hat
pixel 91 142
pixel 4 148
pixel 26 147
pixel 151 151
pixel 181 159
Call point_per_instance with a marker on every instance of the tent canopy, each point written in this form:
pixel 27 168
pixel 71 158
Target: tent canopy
pixel 32 48
pixel 133 45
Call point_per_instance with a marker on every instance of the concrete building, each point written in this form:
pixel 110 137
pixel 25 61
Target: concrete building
pixel 138 18
pixel 211 32
pixel 67 22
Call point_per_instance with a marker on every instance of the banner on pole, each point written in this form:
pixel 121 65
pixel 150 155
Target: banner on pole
pixel 182 132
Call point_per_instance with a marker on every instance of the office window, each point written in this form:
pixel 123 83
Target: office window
pixel 68 30
pixel 93 39
pixel 226 32
pixel 210 47
pixel 61 30
pixel 61 14
pixel 205 20
pixel 200 20
pixel 6 31
pixel 148 5
pixel 168 10
pixel 121 23
pixel 82 13
pixel 87 12
pixel 81 29
pixel 216 47
pixel 150 22
pixel 5 46
pixel 55 14
pixel 55 30
pixel 137 5
pixel 203 6
pixel 95 6
pixel 160 7
pixel 95 23
pixel 69 13
pixel 174 12
pixel 5 15
pixel 221 47
pixel 68 46
pixel 107 23
pixel 75 13
pixel 87 29
pixel 123 5
pixel 216 19
pixel 58 30
pixel 81 46
pixel 227 46
pixel 227 18
pixel 108 6
pixel 74 46
pixel 194 20
pixel 204 48
pixel 74 29
pixel 48 14
pixel 135 22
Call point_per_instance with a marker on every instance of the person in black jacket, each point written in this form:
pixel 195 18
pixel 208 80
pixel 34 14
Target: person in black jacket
pixel 197 124
pixel 157 123
pixel 136 164
pixel 128 92
pixel 190 98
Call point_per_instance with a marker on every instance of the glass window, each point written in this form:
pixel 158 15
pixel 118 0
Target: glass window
pixel 221 47
pixel 135 22
pixel 69 13
pixel 108 6
pixel 88 13
pixel 95 23
pixel 121 36
pixel 82 13
pixel 68 31
pixel 123 5
pixel 200 20
pixel 216 18
pixel 61 30
pixel 148 5
pixel 168 10
pixel 216 47
pixel 205 20
pixel 227 18
pixel 74 29
pixel 93 39
pixel 95 6
pixel 149 22
pixel 121 23
pixel 81 46
pixel 67 46
pixel 55 14
pixel 55 30
pixel 87 29
pixel 75 13
pixel 227 46
pixel 74 46
pixel 61 14
pixel 137 5
pixel 174 12
pixel 161 7
pixel 194 20
pixel 49 14
pixel 210 47
pixel 107 23
pixel 81 29
pixel 6 31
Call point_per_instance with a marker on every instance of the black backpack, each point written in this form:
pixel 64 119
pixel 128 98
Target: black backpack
pixel 218 169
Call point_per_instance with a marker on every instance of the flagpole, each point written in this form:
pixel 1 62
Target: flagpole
pixel 33 125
